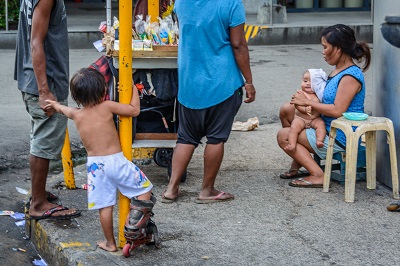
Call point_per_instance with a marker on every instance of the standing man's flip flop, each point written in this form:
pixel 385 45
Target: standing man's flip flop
pixel 164 199
pixel 49 214
pixel 50 197
pixel 215 199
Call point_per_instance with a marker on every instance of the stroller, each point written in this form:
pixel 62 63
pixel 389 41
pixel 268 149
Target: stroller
pixel 158 90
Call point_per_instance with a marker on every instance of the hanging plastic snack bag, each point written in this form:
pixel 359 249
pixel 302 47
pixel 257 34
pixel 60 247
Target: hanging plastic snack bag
pixel 148 25
pixel 103 27
pixel 152 31
pixel 139 26
pixel 156 38
pixel 164 29
pixel 115 27
pixel 173 33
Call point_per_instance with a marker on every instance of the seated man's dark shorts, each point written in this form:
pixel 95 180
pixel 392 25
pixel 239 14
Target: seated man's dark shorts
pixel 214 122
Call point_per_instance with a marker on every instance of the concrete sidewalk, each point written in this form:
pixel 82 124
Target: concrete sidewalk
pixel 301 28
pixel 269 223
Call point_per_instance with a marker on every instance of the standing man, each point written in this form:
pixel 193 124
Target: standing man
pixel 42 72
pixel 213 68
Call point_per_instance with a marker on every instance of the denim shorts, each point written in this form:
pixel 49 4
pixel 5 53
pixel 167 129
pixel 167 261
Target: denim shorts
pixel 47 133
pixel 321 152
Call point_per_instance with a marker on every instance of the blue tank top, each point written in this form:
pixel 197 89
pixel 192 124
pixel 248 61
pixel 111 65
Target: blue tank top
pixel 356 105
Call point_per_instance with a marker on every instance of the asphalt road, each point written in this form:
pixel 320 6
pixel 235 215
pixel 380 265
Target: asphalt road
pixel 277 72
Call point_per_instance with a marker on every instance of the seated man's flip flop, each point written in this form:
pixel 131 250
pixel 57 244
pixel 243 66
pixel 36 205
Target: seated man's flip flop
pixel 304 183
pixel 299 173
pixel 49 214
pixel 215 199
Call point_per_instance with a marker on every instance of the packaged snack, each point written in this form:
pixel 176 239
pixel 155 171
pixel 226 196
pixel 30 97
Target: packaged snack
pixel 137 45
pixel 116 45
pixel 147 45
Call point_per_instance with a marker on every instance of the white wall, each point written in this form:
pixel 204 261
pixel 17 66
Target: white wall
pixel 386 84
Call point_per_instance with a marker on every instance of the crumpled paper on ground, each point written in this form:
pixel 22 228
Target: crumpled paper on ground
pixel 250 124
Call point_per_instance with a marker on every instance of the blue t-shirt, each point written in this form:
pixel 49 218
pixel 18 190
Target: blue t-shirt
pixel 356 105
pixel 207 70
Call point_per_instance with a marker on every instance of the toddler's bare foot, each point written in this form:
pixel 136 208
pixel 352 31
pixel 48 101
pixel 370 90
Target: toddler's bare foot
pixel 290 147
pixel 320 144
pixel 110 247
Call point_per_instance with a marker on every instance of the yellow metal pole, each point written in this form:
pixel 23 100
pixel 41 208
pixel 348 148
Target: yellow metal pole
pixel 68 166
pixel 125 95
pixel 153 7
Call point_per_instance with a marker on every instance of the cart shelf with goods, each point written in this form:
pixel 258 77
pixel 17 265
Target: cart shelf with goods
pixel 154 130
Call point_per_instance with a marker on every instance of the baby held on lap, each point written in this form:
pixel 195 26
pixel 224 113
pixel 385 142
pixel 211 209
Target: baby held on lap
pixel 312 86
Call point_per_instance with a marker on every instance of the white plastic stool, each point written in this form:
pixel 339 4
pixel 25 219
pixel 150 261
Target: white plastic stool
pixel 369 127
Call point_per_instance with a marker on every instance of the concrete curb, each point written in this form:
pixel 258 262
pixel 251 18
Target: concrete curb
pixel 265 36
pixel 302 35
pixel 77 39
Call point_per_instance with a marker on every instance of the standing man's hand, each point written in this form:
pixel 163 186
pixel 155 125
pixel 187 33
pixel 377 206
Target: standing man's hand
pixel 242 57
pixel 44 105
pixel 250 93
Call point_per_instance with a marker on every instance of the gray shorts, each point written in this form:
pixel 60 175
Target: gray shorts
pixel 214 122
pixel 47 133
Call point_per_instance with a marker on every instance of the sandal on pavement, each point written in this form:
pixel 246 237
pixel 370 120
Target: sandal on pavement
pixel 49 214
pixel 299 173
pixel 214 199
pixel 50 197
pixel 305 183
pixel 164 199
pixel 394 207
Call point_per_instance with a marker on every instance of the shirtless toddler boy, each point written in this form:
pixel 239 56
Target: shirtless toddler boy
pixel 108 169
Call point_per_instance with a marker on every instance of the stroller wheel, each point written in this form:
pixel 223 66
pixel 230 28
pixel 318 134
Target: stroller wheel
pixel 162 156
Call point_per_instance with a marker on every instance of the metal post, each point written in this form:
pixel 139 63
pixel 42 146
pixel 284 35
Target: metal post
pixel 108 15
pixel 68 165
pixel 125 95
pixel 272 21
pixel 6 9
pixel 153 10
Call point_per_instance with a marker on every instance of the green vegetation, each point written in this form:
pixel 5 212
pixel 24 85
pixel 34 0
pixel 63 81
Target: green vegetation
pixel 13 14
